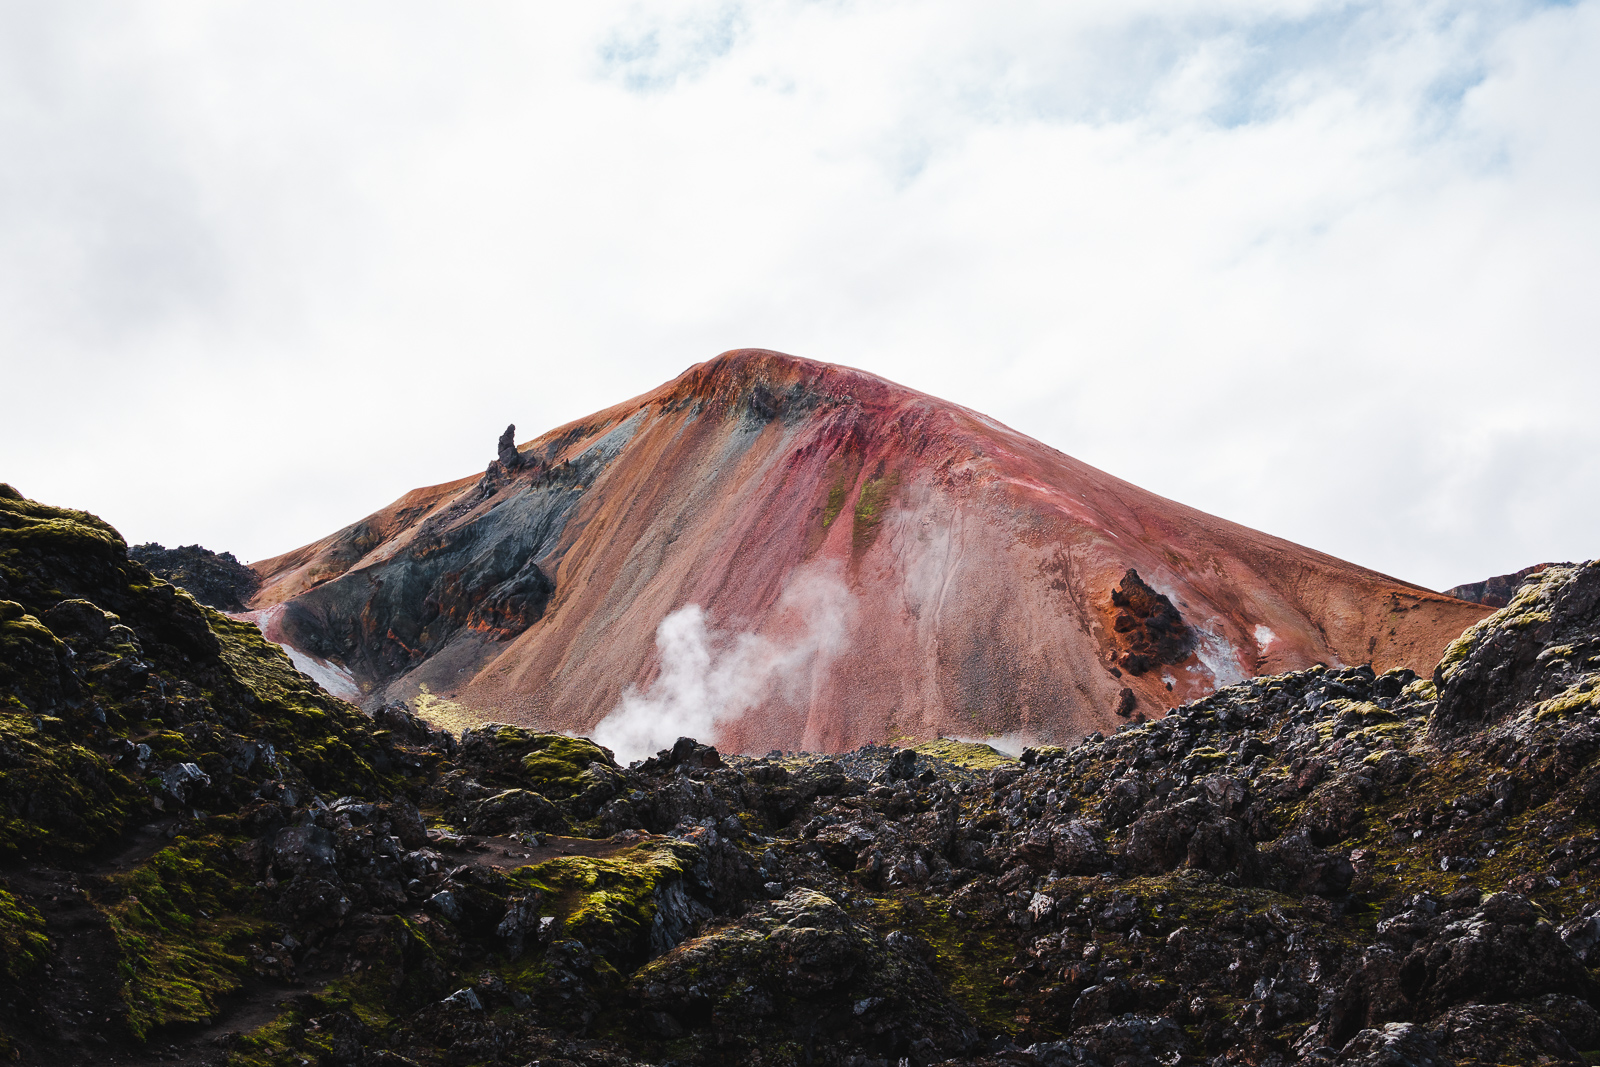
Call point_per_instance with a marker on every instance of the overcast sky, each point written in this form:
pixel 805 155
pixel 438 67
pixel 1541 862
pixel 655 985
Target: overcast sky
pixel 1328 269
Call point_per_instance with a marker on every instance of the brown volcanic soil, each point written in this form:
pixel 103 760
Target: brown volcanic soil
pixel 980 566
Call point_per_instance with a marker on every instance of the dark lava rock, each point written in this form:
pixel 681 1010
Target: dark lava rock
pixel 1305 868
pixel 216 579
pixel 1149 626
pixel 1501 663
pixel 506 449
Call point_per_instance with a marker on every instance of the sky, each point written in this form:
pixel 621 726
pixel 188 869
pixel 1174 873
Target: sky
pixel 1328 269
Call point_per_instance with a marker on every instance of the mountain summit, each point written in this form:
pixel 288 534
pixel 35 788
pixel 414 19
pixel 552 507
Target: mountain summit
pixel 801 555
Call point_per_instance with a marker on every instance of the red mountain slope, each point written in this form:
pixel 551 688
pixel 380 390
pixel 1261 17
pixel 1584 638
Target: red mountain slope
pixel 868 563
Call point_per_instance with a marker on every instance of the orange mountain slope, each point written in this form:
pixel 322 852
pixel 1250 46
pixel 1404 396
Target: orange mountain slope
pixel 789 554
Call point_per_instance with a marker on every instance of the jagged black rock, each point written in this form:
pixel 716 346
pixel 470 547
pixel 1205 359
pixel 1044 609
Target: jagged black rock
pixel 206 859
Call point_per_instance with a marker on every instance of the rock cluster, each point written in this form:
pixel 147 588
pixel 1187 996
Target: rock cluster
pixel 216 579
pixel 204 859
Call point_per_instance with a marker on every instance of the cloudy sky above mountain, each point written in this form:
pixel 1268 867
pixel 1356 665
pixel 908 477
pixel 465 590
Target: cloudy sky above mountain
pixel 1324 268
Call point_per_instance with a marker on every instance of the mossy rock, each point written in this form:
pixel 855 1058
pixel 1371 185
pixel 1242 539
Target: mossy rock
pixel 552 765
pixel 968 755
pixel 57 794
pixel 23 944
pixel 54 793
pixel 175 921
pixel 610 904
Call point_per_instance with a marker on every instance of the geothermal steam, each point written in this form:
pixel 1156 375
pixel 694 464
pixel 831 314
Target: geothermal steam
pixel 709 677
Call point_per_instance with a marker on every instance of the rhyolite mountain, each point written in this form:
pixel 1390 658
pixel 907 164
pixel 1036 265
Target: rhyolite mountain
pixel 994 584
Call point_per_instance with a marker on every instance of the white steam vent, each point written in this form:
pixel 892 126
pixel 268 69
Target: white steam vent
pixel 709 677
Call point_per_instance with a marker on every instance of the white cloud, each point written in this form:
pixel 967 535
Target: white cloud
pixel 1323 268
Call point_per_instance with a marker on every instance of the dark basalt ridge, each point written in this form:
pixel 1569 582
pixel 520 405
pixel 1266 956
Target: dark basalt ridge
pixel 216 579
pixel 1497 592
pixel 204 859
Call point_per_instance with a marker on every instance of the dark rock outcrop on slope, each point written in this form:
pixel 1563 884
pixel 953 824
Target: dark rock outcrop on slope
pixel 1497 592
pixel 216 579
pixel 204 859
pixel 1150 628
pixel 506 449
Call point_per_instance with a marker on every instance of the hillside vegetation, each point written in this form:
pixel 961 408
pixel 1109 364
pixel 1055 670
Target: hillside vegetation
pixel 205 859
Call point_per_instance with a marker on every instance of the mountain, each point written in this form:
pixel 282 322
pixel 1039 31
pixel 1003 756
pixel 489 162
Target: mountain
pixel 789 554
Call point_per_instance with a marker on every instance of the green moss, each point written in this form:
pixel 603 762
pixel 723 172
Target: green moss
pixel 174 929
pixel 23 944
pixel 970 755
pixel 556 766
pixel 609 903
pixel 287 1041
pixel 968 959
pixel 1530 607
pixel 1356 710
pixel 402 971
pixel 1420 689
pixel 23 948
pixel 1582 698
pixel 836 495
pixel 1398 732
pixel 54 793
pixel 328 740
pixel 442 714
pixel 20 630
pixel 875 497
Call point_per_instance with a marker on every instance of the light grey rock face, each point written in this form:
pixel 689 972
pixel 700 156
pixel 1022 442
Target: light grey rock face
pixel 184 781
pixel 465 999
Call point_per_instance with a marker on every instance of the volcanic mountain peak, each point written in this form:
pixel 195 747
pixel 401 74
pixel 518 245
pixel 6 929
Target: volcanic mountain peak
pixel 798 555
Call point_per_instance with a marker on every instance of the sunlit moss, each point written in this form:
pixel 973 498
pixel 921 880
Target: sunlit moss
pixel 23 944
pixel 969 755
pixel 174 925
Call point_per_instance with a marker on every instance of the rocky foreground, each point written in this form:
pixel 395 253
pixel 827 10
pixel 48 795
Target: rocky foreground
pixel 206 859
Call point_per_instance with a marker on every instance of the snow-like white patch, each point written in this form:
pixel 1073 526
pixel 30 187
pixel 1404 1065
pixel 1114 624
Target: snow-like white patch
pixel 1264 637
pixel 1219 656
pixel 332 677
pixel 335 679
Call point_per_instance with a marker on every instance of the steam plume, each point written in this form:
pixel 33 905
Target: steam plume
pixel 709 677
